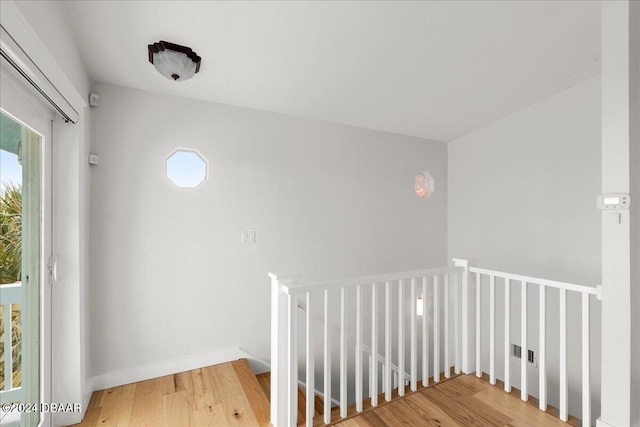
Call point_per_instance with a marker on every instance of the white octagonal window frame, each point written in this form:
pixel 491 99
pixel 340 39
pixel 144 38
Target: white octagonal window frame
pixel 181 172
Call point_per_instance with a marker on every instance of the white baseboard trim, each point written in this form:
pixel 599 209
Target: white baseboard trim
pixel 600 423
pixel 258 366
pixel 169 367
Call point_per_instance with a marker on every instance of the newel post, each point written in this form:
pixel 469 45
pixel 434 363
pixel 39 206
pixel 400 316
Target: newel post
pixel 464 309
pixel 278 353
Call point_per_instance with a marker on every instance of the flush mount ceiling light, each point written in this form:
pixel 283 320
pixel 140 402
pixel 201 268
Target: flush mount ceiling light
pixel 175 62
pixel 424 185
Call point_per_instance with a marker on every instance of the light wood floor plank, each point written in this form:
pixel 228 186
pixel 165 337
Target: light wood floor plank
pixel 176 410
pixel 228 392
pixel 431 413
pixel 147 409
pixel 456 411
pixel 522 413
pixel 201 390
pixel 463 393
pixel 116 406
pixel 92 415
pixel 253 392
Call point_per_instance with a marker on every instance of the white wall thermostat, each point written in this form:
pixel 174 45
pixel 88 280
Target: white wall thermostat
pixel 614 201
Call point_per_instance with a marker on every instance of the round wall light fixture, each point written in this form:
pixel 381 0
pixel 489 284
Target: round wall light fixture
pixel 175 62
pixel 424 185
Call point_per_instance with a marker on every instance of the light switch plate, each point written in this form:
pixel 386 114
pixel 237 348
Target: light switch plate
pixel 248 237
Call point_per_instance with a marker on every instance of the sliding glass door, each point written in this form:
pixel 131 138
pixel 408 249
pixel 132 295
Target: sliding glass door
pixel 25 140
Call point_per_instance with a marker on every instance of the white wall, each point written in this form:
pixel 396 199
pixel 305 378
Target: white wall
pixel 170 278
pixel 49 21
pixel 522 195
pixel 634 81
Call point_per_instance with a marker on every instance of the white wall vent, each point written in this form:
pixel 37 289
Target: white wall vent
pixel 516 351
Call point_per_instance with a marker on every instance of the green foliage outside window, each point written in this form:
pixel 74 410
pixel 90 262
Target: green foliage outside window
pixel 10 233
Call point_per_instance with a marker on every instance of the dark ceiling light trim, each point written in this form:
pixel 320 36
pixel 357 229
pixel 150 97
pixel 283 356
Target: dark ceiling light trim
pixel 179 69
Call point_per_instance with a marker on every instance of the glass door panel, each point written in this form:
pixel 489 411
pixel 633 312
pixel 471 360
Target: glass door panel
pixel 20 268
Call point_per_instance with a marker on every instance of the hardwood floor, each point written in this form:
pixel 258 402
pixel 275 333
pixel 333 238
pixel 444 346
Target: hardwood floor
pixel 222 395
pixel 231 395
pixel 463 401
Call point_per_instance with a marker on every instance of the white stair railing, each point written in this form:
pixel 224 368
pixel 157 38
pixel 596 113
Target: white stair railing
pixel 285 346
pixel 10 295
pixel 525 282
pixel 379 360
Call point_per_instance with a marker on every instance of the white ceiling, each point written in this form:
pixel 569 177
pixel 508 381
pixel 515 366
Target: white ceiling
pixel 436 69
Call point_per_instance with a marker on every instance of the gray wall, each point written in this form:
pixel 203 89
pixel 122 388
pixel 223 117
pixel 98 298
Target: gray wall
pixel 170 278
pixel 635 210
pixel 522 199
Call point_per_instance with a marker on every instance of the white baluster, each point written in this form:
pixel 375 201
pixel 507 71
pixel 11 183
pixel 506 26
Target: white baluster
pixel 436 332
pixel 373 362
pixel 343 354
pixel 387 341
pixel 478 300
pixel 524 394
pixel 310 386
pixel 586 377
pixel 542 351
pixel 279 353
pixel 456 324
pixel 425 336
pixel 447 364
pixel 384 379
pixel 492 330
pixel 371 380
pixel 563 356
pixel 358 348
pixel 414 337
pixel 8 348
pixel 401 337
pixel 465 339
pixel 507 335
pixel 327 361
pixel 292 336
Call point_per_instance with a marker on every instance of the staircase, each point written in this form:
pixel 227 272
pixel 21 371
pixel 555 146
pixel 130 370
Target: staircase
pixel 386 334
pixel 265 382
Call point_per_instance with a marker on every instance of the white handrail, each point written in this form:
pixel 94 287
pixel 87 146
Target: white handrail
pixel 361 280
pixel 525 282
pixel 284 354
pixel 593 290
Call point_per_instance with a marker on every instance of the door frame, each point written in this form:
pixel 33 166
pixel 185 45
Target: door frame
pixel 19 103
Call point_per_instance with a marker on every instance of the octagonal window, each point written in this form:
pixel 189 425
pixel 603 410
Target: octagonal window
pixel 187 168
